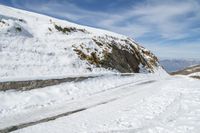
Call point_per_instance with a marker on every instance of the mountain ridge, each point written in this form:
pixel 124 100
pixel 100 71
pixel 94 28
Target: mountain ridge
pixel 173 65
pixel 192 71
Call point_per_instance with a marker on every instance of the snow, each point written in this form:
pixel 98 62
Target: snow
pixel 31 46
pixel 194 74
pixel 36 51
pixel 110 102
pixel 25 102
pixel 164 105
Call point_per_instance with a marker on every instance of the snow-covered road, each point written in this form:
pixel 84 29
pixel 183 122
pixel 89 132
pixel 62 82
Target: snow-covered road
pixel 116 104
pixel 17 107
pixel 65 109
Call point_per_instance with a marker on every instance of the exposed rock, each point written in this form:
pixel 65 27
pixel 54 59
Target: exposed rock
pixel 122 55
pixel 68 29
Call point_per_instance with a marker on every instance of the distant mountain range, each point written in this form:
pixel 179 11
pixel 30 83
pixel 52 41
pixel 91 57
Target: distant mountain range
pixel 172 65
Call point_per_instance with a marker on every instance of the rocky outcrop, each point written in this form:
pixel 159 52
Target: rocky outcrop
pixel 123 55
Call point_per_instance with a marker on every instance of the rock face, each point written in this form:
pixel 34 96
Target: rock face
pixel 123 55
pixel 36 45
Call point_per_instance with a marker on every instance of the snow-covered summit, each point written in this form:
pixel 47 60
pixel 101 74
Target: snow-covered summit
pixel 37 45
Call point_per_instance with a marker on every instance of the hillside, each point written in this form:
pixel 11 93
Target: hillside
pixel 34 45
pixel 60 77
pixel 193 71
pixel 173 65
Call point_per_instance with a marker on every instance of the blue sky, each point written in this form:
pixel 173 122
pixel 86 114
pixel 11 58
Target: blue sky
pixel 170 28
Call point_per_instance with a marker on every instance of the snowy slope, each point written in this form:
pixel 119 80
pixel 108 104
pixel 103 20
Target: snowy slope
pixel 34 45
pixel 193 71
pixel 162 105
pixel 195 74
